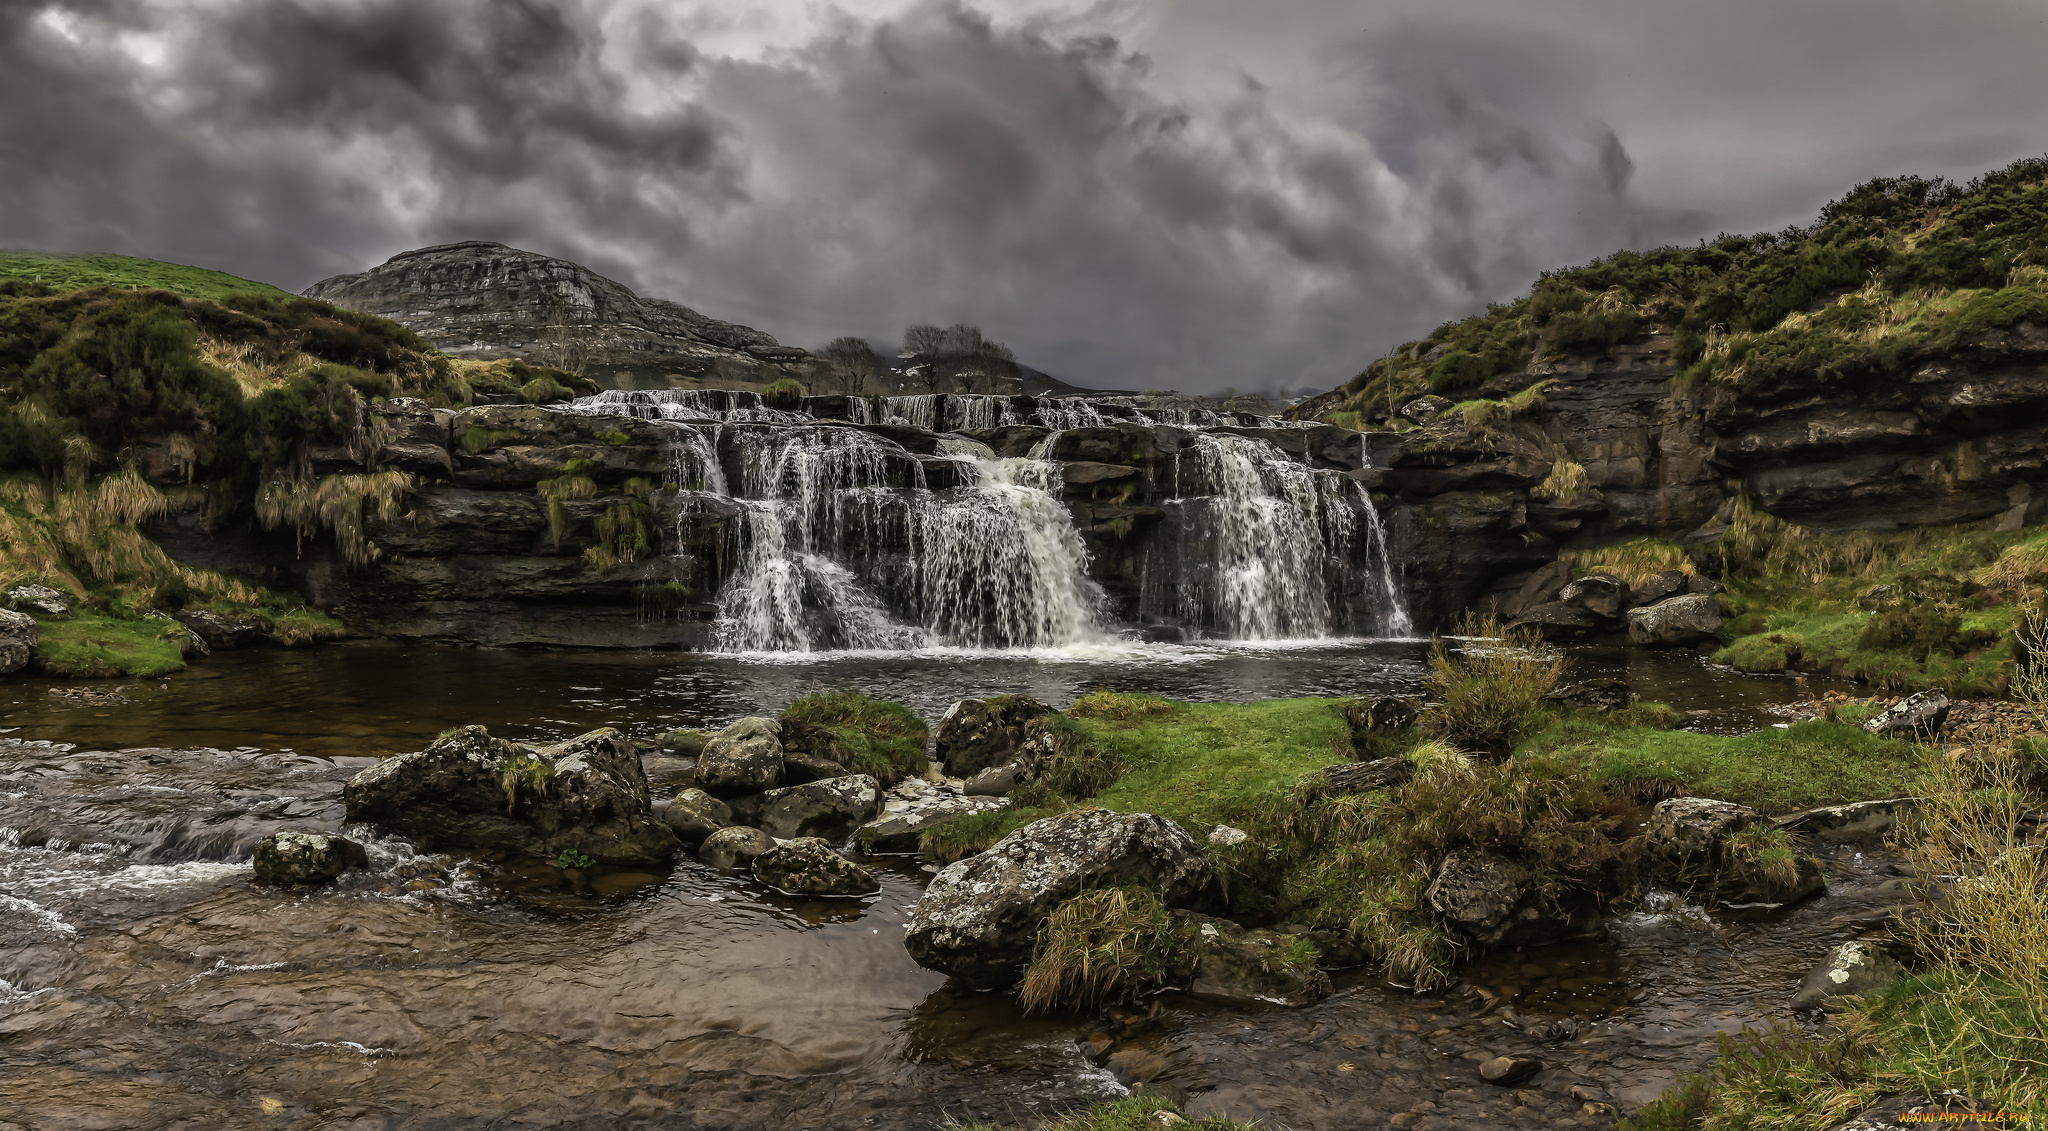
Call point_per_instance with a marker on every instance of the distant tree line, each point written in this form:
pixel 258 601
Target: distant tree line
pixel 953 359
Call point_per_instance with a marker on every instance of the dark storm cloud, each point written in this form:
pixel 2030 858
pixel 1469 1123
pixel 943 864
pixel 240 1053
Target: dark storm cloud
pixel 1259 202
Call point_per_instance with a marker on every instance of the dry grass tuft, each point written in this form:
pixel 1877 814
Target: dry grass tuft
pixel 1490 690
pixel 1567 480
pixel 1103 946
pixel 334 503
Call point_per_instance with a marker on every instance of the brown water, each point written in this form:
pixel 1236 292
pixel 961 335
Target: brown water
pixel 149 984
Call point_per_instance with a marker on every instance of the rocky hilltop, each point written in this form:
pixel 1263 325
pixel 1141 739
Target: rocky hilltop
pixel 485 300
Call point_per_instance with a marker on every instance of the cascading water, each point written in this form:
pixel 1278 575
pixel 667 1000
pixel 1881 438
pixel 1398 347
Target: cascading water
pixel 838 537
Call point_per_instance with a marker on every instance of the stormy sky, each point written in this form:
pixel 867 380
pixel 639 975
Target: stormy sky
pixel 1131 193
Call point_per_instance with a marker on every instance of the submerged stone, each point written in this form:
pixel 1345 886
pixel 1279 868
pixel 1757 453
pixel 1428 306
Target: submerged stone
pixel 306 858
pixel 1847 970
pixel 808 866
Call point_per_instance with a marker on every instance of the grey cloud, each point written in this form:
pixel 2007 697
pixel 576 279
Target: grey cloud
pixel 1117 216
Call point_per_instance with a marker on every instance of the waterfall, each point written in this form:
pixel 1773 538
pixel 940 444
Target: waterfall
pixel 813 534
pixel 1273 553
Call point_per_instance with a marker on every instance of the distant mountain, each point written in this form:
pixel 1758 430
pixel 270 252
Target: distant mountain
pixel 486 300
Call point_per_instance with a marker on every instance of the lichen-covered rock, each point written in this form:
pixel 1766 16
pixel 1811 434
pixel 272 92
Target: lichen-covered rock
pixel 975 734
pixel 18 638
pixel 1919 714
pixel 1602 594
pixel 306 858
pixel 996 781
pixel 1856 821
pixel 1849 969
pixel 831 809
pixel 695 814
pixel 40 600
pixel 744 758
pixel 734 847
pixel 1501 903
pixel 901 831
pixel 1245 966
pixel 808 866
pixel 979 918
pixel 1684 834
pixel 1675 622
pixel 221 632
pixel 588 794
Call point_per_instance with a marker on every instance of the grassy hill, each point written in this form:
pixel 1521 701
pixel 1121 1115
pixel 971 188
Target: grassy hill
pixel 70 271
pixel 1898 267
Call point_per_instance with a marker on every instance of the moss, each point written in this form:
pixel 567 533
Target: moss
pixel 612 439
pixel 477 439
pixel 90 644
pixel 783 394
pixel 882 737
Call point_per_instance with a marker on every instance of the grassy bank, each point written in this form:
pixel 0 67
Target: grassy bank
pixel 71 271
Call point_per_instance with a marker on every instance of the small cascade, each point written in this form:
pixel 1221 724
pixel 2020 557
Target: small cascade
pixel 1274 552
pixel 723 405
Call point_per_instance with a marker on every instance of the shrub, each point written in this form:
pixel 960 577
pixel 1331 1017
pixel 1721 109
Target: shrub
pixel 1490 691
pixel 1101 946
pixel 784 394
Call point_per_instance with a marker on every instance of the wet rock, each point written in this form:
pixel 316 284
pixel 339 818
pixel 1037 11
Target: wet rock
pixel 1364 777
pixel 744 758
pixel 801 768
pixel 1559 621
pixel 1684 834
pixel 808 866
pixel 1849 969
pixel 1675 622
pixel 1508 1071
pixel 1670 583
pixel 40 601
pixel 980 917
pixel 1243 966
pixel 1501 903
pixel 1740 885
pixel 996 781
pixel 802 739
pixel 18 637
pixel 975 734
pixel 1841 824
pixel 1602 594
pixel 306 858
pixel 912 807
pixel 831 809
pixel 1701 583
pixel 1919 714
pixel 686 743
pixel 221 632
pixel 1541 588
pixel 1592 695
pixel 588 794
pixel 734 847
pixel 694 815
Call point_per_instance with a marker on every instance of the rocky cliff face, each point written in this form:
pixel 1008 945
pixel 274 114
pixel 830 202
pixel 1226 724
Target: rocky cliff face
pixel 485 300
pixel 1953 437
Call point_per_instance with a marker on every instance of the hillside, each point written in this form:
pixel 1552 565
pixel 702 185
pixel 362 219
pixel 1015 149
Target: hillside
pixel 70 271
pixel 488 301
pixel 1899 269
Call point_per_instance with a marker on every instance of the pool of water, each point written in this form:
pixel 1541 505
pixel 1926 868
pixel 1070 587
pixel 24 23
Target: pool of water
pixel 145 982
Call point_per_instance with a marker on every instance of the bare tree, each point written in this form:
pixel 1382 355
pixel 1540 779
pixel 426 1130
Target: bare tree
pixel 925 348
pixel 853 365
pixel 563 344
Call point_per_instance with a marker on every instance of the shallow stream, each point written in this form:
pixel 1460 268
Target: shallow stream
pixel 146 983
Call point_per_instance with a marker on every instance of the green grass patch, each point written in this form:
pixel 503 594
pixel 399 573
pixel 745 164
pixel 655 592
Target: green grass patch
pixel 91 644
pixel 881 737
pixel 70 271
pixel 1773 771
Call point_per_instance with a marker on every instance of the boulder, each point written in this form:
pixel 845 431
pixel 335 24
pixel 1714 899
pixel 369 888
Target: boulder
pixel 1847 970
pixel 975 734
pixel 1541 588
pixel 1919 714
pixel 1507 1071
pixel 694 815
pixel 1559 621
pixel 1592 695
pixel 901 832
pixel 588 794
pixel 745 757
pixel 1701 583
pixel 1243 966
pixel 801 767
pixel 306 858
pixel 1684 834
pixel 1602 594
pixel 831 809
pixel 808 866
pixel 1675 621
pixel 1665 585
pixel 18 638
pixel 1424 409
pixel 996 781
pixel 40 601
pixel 980 917
pixel 1857 821
pixel 734 847
pixel 221 631
pixel 1501 903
